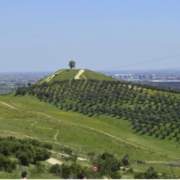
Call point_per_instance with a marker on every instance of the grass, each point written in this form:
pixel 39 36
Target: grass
pixel 28 117
pixel 88 74
pixel 69 74
pixel 60 75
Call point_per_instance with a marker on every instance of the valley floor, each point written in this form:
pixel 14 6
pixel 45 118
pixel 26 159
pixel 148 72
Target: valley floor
pixel 27 117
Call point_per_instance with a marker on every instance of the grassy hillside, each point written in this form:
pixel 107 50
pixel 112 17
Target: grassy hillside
pixel 28 117
pixel 70 74
pixel 88 74
pixel 150 111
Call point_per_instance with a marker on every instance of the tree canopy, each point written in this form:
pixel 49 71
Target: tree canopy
pixel 72 64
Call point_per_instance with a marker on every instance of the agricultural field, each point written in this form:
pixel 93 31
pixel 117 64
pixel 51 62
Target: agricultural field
pixel 28 117
pixel 149 111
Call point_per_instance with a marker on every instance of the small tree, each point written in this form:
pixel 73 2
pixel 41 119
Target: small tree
pixel 24 158
pixel 107 164
pixel 24 174
pixel 150 173
pixel 56 169
pixel 72 64
pixel 125 160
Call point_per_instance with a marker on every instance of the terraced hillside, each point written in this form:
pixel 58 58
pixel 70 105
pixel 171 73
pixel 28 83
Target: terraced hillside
pixel 27 117
pixel 150 111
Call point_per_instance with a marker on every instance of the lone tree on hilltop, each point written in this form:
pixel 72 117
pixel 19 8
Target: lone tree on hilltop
pixel 72 64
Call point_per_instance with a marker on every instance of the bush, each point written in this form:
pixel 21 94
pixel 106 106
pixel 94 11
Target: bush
pixel 73 171
pixel 125 160
pixel 25 150
pixel 150 173
pixel 41 154
pixel 25 158
pixel 6 164
pixel 107 164
pixel 24 174
pixel 55 169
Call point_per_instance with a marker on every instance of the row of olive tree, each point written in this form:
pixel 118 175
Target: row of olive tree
pixel 150 111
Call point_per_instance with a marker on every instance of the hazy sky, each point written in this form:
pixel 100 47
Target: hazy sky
pixel 42 35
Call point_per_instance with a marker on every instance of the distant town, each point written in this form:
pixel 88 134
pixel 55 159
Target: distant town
pixel 163 79
pixel 11 81
pixel 150 76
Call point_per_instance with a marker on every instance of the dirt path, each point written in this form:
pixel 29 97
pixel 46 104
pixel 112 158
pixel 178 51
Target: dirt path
pixel 82 159
pixel 33 124
pixel 49 78
pixel 7 133
pixel 84 77
pixel 8 105
pixel 60 154
pixel 83 126
pixel 112 136
pixel 54 161
pixel 95 130
pixel 44 114
pixel 168 163
pixel 79 74
pixel 56 135
pixel 92 129
pixel 67 155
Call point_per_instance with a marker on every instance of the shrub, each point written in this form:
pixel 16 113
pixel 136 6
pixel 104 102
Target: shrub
pixel 24 158
pixel 25 150
pixel 24 174
pixel 107 164
pixel 125 160
pixel 41 154
pixel 150 173
pixel 6 164
pixel 55 169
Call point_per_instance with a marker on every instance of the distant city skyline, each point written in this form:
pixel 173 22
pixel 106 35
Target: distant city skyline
pixel 43 35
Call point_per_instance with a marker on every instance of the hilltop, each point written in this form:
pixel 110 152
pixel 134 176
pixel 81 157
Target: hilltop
pixel 75 74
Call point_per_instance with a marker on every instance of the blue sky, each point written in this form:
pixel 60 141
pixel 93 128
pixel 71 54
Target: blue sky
pixel 42 35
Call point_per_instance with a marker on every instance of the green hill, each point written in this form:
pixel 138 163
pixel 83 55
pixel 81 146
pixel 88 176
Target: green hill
pixel 74 74
pixel 150 111
pixel 27 117
pixel 87 113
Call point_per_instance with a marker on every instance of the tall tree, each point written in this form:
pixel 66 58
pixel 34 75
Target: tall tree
pixel 72 64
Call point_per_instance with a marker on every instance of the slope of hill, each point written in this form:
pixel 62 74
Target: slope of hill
pixel 26 116
pixel 96 114
pixel 150 111
pixel 77 74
